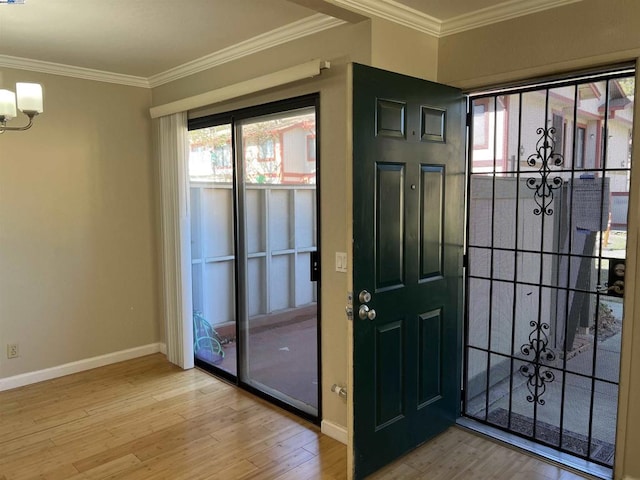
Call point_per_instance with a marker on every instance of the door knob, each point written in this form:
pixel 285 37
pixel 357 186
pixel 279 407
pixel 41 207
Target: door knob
pixel 364 296
pixel 364 312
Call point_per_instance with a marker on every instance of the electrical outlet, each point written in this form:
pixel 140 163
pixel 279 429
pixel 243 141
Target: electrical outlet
pixel 12 350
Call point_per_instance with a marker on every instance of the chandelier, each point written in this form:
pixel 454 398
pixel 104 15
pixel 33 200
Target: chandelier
pixel 27 99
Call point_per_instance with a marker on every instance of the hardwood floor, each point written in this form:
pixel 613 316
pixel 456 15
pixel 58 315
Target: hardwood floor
pixel 146 419
pixel 461 455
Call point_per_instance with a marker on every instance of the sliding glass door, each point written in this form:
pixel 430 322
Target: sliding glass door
pixel 254 250
pixel 278 175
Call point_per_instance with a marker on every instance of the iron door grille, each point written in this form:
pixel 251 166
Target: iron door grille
pixel 549 169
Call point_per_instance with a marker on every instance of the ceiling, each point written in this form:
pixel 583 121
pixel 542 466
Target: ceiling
pixel 149 42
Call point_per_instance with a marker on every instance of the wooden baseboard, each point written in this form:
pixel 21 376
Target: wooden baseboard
pixel 29 378
pixel 335 431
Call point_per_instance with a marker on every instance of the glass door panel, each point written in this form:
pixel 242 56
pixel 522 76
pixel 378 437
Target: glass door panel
pixel 278 190
pixel 213 256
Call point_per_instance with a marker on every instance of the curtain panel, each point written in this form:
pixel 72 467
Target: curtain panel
pixel 172 149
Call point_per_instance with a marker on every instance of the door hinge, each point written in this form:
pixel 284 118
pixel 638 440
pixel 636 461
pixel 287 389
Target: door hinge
pixel 465 260
pixel 468 119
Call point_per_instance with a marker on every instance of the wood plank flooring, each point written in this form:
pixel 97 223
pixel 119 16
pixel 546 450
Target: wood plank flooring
pixel 147 419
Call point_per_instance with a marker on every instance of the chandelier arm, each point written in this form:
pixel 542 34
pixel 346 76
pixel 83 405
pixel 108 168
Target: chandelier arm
pixel 4 128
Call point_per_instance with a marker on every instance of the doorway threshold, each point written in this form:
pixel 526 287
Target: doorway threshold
pixel 566 460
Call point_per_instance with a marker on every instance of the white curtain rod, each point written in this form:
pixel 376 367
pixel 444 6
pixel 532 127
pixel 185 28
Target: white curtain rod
pixel 275 79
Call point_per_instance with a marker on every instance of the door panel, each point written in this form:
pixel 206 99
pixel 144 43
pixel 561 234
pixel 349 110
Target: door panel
pixel 389 344
pixel 430 361
pixel 389 225
pixel 390 118
pixel 431 221
pixel 408 232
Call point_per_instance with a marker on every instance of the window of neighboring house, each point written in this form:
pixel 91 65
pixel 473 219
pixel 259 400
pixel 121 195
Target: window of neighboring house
pixel 558 136
pixel 266 150
pixel 311 148
pixel 221 156
pixel 581 135
pixel 481 123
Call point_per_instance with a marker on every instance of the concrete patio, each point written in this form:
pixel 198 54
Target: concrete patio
pixel 570 390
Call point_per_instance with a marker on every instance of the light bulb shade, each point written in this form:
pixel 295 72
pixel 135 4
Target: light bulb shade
pixel 7 104
pixel 29 97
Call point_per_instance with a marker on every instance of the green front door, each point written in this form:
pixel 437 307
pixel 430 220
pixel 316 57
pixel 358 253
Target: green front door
pixel 408 229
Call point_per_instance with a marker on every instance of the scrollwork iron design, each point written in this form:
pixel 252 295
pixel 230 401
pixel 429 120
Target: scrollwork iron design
pixel 538 375
pixel 545 157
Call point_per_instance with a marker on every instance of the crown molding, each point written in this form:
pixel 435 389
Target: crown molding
pixel 394 12
pixel 71 71
pixel 401 14
pixel 386 9
pixel 293 31
pixel 498 13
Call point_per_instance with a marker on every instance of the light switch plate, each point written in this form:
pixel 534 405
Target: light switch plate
pixel 341 262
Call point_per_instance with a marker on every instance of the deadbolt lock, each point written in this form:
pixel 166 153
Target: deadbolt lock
pixel 364 296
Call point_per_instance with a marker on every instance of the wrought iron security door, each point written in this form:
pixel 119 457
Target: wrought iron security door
pixel 548 197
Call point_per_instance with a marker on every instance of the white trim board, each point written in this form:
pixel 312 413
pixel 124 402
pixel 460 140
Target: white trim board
pixel 80 366
pixel 335 431
pixel 282 77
